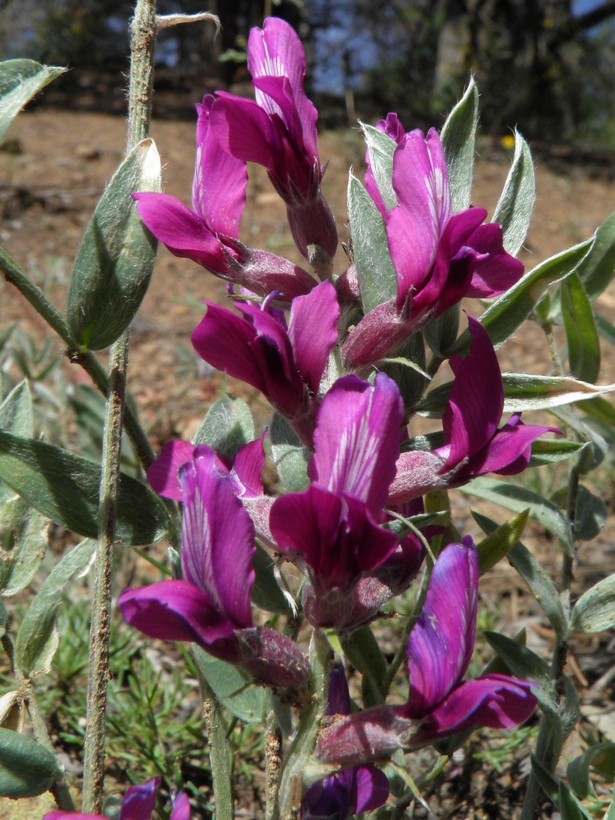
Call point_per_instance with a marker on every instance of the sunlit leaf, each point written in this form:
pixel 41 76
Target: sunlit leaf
pixel 524 392
pixel 538 581
pixel 370 247
pixel 516 498
pixel 65 487
pixel 116 258
pixel 233 687
pixel 35 643
pixel 459 137
pixel 595 609
pixel 516 204
pixel 289 455
pixel 228 426
pixel 20 81
pixel 381 149
pixel 581 333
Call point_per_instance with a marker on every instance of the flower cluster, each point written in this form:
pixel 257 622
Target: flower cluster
pixel 348 530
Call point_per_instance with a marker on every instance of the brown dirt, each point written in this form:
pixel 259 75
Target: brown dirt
pixel 52 176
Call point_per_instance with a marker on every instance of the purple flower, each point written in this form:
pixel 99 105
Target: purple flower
pixel 278 131
pixel 344 795
pixel 334 528
pixel 440 257
pixel 244 472
pixel 473 443
pixel 211 605
pixel 284 363
pixel 439 702
pixel 138 804
pixel 209 233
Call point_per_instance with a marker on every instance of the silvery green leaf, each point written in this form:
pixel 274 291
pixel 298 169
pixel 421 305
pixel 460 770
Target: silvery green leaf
pixel 20 81
pixel 65 487
pixel 459 137
pixel 500 539
pixel 381 149
pixel 228 426
pixel 36 639
pixel 16 415
pixel 290 456
pixel 516 498
pixel 27 769
pixel 594 611
pixel 516 204
pixel 266 593
pixel 602 757
pixel 526 392
pixel 370 247
pixel 596 271
pixel 441 332
pixel 233 687
pixel 581 331
pixel 31 537
pixel 538 581
pixel 116 258
pixel 549 452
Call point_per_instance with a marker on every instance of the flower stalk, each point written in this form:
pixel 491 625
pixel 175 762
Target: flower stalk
pixel 139 117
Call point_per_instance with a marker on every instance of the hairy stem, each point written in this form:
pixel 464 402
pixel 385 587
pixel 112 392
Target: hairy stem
pixel 139 116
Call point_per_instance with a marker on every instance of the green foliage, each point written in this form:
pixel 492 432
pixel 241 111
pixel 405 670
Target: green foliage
pixel 20 81
pixel 26 768
pixel 115 261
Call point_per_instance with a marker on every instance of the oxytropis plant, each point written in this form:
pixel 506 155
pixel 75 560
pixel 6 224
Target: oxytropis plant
pixel 287 589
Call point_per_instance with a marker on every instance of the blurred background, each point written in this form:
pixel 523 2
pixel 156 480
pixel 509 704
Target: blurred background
pixel 546 66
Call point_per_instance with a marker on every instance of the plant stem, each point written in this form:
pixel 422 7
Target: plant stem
pixel 139 116
pixel 273 764
pixel 218 755
pixel 554 729
pixel 302 746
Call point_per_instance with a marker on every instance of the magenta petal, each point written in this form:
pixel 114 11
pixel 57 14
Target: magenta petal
pixel 175 611
pixel 217 538
pixel 494 701
pixel 509 451
pixel 441 644
pixel 371 787
pixel 357 439
pixel 163 474
pixel 225 341
pixel 244 130
pixel 476 400
pixel 420 179
pixel 220 179
pixel 181 807
pixel 274 51
pixel 499 271
pixel 140 801
pixel 247 471
pixel 73 815
pixel 181 230
pixel 313 332
pixel 336 537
